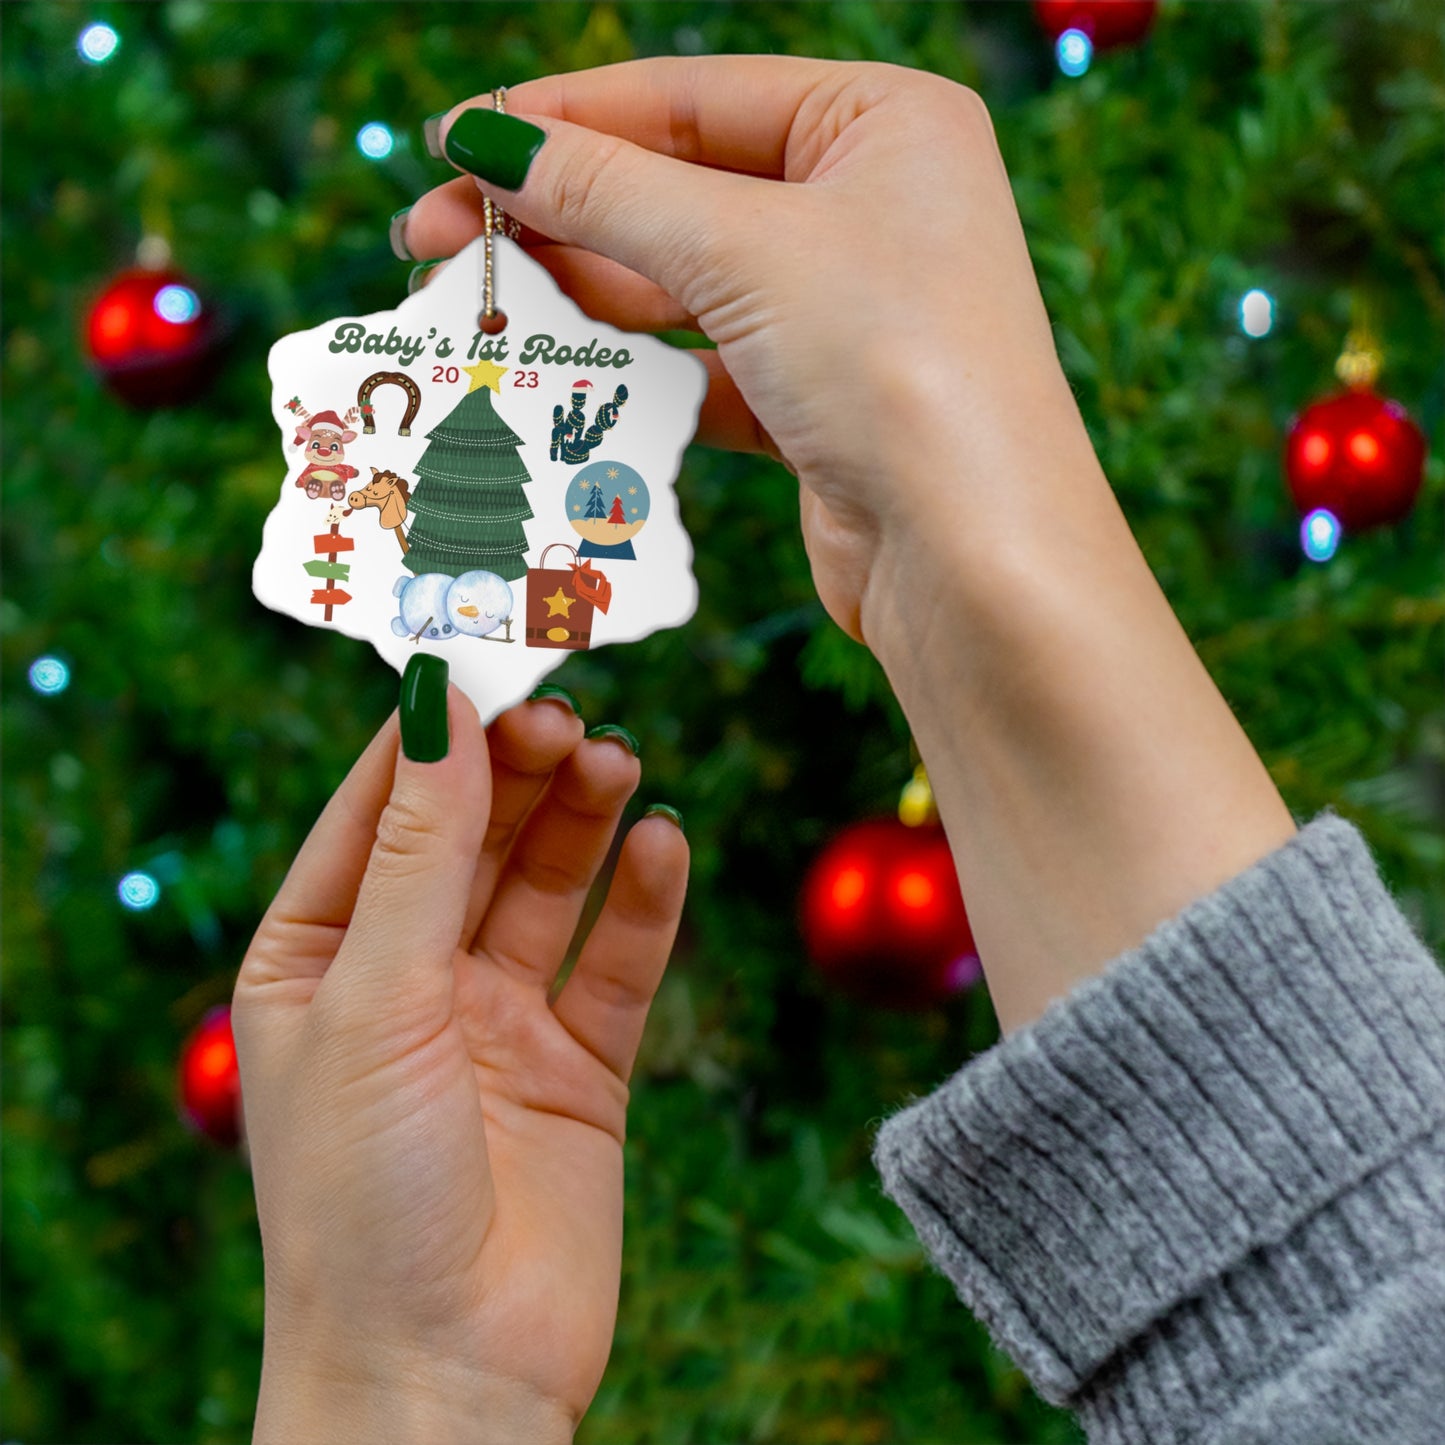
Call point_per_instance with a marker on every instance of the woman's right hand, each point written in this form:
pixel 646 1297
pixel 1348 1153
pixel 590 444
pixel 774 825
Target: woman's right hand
pixel 847 236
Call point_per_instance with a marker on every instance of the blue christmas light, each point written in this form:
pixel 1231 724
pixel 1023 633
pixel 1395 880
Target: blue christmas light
pixel 1074 51
pixel 49 675
pixel 1319 535
pixel 375 140
pixel 1256 313
pixel 177 304
pixel 97 44
pixel 138 891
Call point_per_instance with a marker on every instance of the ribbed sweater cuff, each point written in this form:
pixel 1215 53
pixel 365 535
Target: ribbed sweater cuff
pixel 1198 1113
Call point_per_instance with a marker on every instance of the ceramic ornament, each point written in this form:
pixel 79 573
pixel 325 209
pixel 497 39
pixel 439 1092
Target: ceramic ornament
pixel 501 500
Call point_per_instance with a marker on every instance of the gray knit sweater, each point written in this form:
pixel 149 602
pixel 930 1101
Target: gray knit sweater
pixel 1202 1199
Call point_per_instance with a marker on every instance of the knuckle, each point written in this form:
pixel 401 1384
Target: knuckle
pixel 575 194
pixel 407 835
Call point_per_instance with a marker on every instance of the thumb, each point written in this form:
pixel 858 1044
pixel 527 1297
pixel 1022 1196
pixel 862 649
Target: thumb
pixel 663 218
pixel 395 963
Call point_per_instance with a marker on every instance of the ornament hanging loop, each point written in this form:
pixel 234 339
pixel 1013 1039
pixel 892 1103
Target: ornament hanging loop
pixel 1359 363
pixel 494 220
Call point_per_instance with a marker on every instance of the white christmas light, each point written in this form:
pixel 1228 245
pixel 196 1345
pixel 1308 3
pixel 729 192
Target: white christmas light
pixel 1256 313
pixel 49 675
pixel 1074 51
pixel 138 891
pixel 97 43
pixel 177 304
pixel 1319 535
pixel 375 141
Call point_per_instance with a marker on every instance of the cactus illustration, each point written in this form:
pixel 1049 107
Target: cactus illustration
pixel 572 438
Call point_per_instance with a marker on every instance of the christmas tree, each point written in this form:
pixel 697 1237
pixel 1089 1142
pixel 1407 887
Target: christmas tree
pixel 596 510
pixel 467 507
pixel 615 516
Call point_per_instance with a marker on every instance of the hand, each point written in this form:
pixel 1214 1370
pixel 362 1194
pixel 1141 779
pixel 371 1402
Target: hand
pixel 848 236
pixel 437 1150
pixel 878 324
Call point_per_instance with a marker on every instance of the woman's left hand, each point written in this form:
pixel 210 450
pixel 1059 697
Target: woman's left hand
pixel 436 1146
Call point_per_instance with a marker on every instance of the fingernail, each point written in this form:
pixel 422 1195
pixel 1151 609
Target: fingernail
pixel 612 730
pixel 415 281
pixel 424 736
pixel 431 133
pixel 498 148
pixel 663 810
pixel 396 233
pixel 550 689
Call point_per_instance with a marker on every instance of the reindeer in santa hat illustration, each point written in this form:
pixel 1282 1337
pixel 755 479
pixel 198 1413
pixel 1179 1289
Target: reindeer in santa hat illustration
pixel 324 436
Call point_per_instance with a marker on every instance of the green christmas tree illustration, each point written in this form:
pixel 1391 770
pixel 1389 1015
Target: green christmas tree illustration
pixel 467 506
pixel 595 507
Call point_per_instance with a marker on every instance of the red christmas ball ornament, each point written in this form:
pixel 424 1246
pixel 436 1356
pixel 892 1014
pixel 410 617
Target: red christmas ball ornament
pixel 1357 455
pixel 1107 23
pixel 210 1080
pixel 883 917
pixel 152 338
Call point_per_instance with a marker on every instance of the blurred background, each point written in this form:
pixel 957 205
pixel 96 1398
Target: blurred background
pixel 1218 197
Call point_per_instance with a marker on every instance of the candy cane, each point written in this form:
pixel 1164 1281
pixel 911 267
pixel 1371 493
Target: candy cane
pixel 388 378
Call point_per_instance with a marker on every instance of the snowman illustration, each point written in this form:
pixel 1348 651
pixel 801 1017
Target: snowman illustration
pixel 440 607
pixel 607 505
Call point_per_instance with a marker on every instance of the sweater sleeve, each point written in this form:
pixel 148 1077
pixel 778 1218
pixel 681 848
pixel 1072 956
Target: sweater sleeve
pixel 1202 1198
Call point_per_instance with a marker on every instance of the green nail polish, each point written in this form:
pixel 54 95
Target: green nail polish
pixel 550 689
pixel 431 133
pixel 613 730
pixel 498 148
pixel 424 736
pixel 396 233
pixel 414 281
pixel 664 810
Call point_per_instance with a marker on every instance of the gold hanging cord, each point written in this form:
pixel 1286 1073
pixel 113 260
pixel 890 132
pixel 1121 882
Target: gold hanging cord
pixel 494 219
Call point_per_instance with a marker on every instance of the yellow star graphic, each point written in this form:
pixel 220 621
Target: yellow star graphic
pixel 558 603
pixel 576 506
pixel 485 373
pixel 632 491
pixel 611 474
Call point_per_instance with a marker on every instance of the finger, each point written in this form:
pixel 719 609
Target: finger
pixel 604 1002
pixel 396 961
pixel 526 743
pixel 652 214
pixel 297 936
pixel 736 112
pixel 725 419
pixel 447 218
pixel 543 887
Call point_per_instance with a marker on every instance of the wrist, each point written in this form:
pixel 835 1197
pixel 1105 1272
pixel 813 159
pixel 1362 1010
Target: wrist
pixel 400 1399
pixel 1092 780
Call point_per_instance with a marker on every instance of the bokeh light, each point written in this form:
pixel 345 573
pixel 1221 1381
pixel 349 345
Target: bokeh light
pixel 177 303
pixel 375 141
pixel 1319 535
pixel 1074 51
pixel 138 891
pixel 97 43
pixel 1256 313
pixel 49 675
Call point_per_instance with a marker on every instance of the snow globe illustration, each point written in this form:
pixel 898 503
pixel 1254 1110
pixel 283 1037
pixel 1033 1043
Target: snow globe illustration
pixel 607 505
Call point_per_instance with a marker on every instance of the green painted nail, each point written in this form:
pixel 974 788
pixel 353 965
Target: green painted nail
pixel 613 730
pixel 424 736
pixel 396 233
pixel 664 810
pixel 498 148
pixel 431 133
pixel 550 689
pixel 414 281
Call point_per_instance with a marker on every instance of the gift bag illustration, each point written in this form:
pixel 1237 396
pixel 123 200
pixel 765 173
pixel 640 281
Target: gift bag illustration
pixel 560 601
